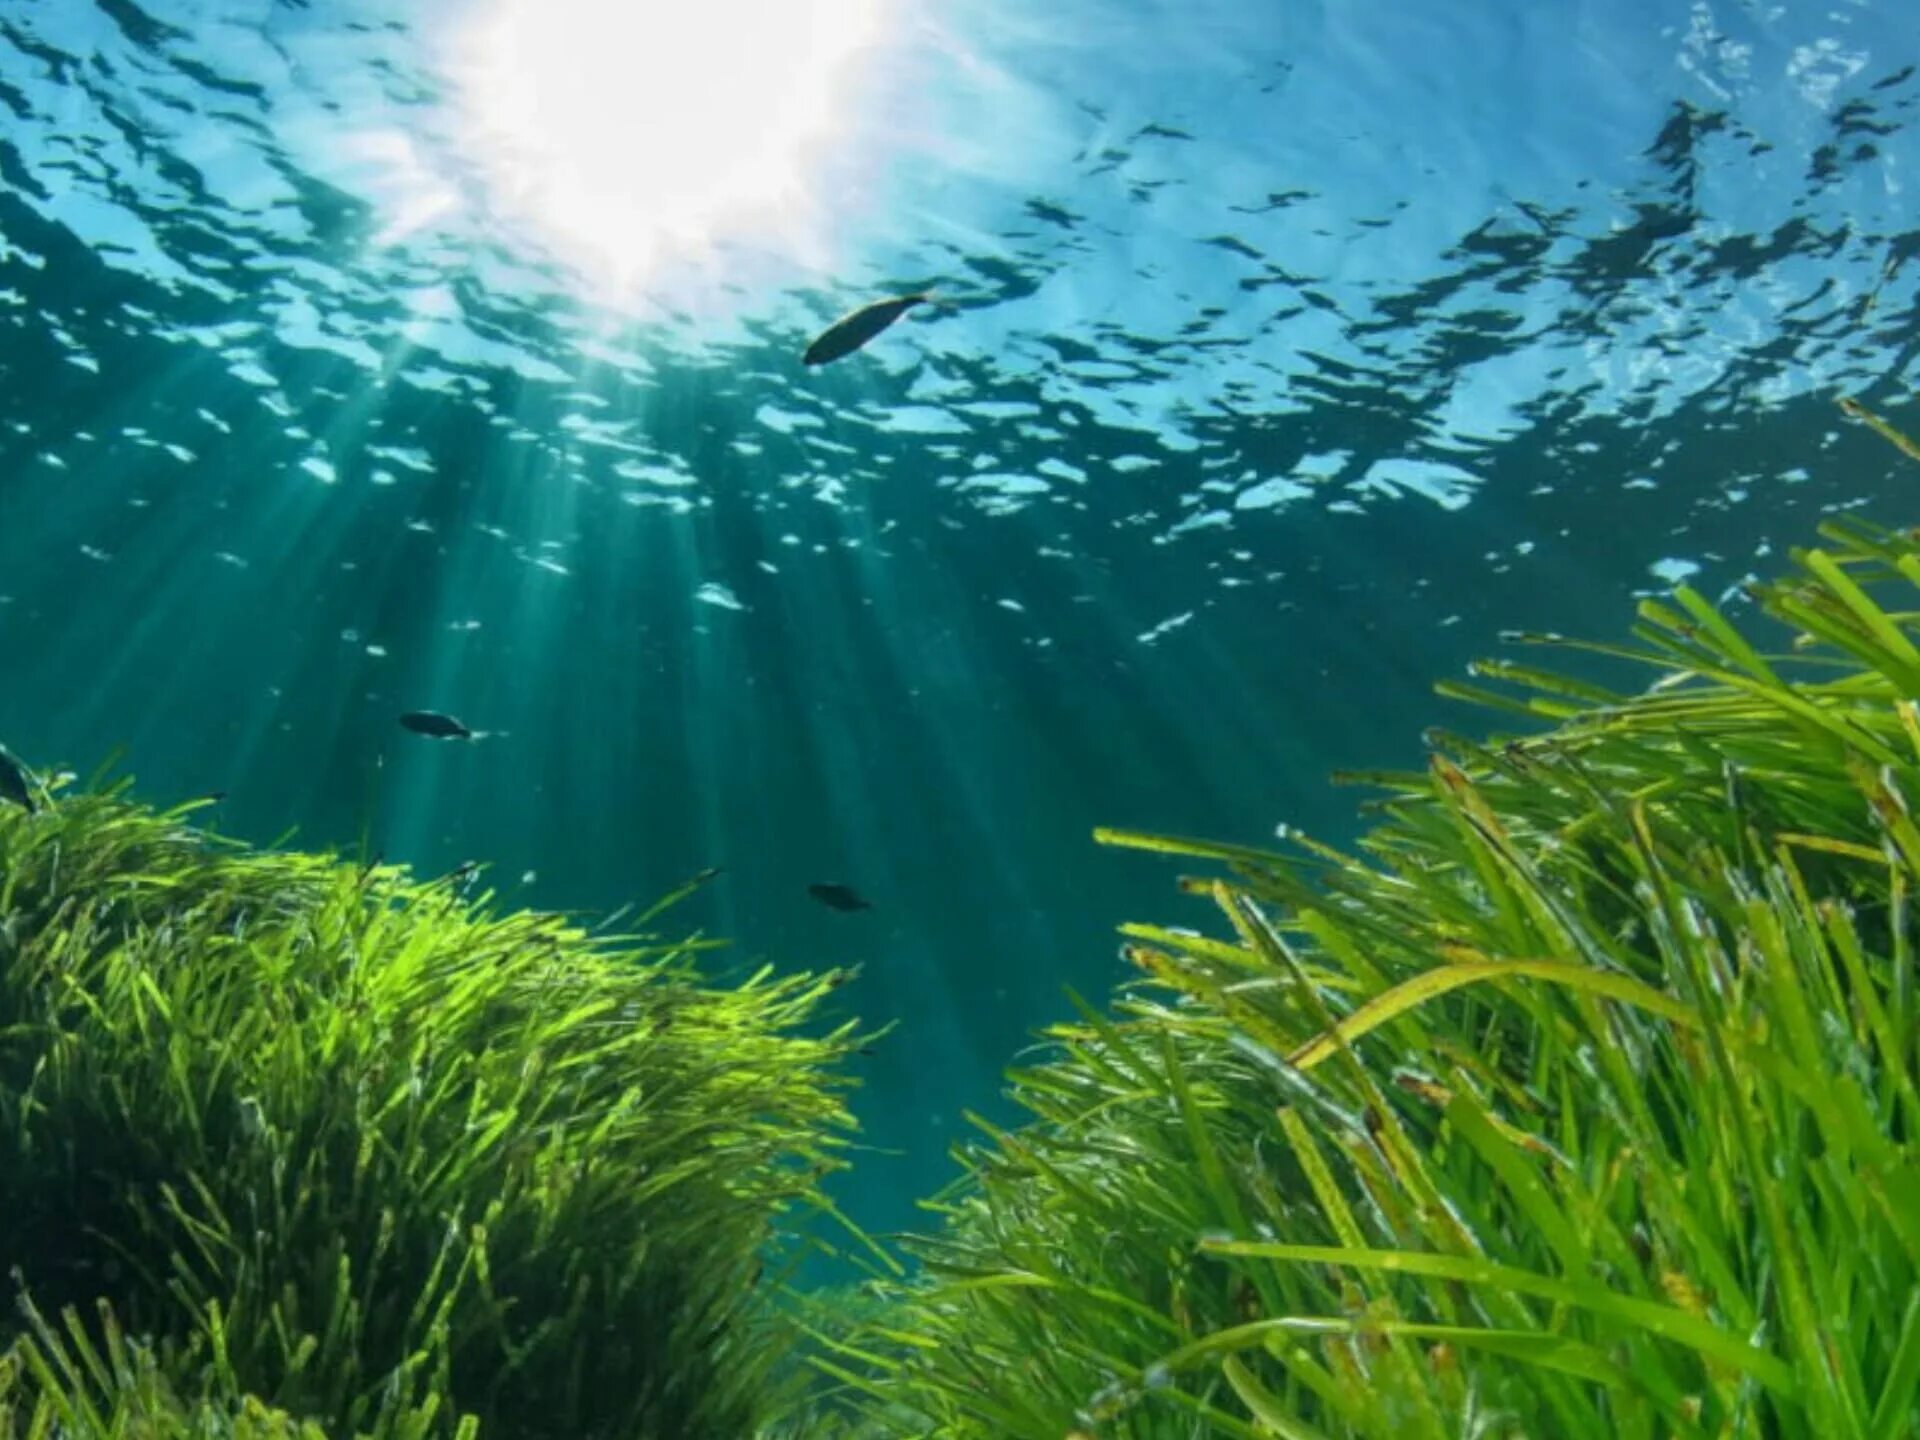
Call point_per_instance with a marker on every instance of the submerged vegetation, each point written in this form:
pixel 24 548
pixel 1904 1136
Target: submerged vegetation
pixel 282 1131
pixel 1580 1100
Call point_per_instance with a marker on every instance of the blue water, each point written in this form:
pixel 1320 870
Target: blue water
pixel 1287 354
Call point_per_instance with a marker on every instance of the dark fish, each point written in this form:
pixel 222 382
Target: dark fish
pixel 838 897
pixel 851 331
pixel 15 783
pixel 440 727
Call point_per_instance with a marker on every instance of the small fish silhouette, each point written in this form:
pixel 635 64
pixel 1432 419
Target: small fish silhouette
pixel 15 782
pixel 852 330
pixel 838 897
pixel 439 727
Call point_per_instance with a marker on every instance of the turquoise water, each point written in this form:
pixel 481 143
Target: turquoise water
pixel 1286 355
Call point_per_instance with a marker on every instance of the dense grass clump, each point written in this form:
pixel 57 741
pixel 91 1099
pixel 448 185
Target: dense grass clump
pixel 1584 1100
pixel 287 1142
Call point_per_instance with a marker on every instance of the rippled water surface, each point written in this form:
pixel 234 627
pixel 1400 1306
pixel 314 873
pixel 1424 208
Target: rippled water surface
pixel 365 357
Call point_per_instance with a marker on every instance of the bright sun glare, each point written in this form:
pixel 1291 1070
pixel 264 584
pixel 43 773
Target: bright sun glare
pixel 627 128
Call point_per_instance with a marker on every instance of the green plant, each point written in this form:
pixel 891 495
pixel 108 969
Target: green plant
pixel 1582 1100
pixel 106 1386
pixel 339 1140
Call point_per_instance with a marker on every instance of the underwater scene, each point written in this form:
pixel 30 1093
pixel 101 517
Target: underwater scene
pixel 870 718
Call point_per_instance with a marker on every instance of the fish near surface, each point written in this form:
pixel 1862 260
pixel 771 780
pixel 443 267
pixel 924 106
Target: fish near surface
pixel 15 783
pixel 852 330
pixel 439 727
pixel 838 897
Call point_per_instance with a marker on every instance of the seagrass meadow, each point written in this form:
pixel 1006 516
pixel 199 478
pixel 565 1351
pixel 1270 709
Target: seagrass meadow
pixel 718 721
pixel 1579 1099
pixel 287 1131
